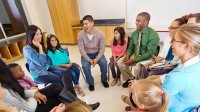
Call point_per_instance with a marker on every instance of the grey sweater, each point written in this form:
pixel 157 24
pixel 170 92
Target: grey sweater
pixel 96 45
pixel 14 99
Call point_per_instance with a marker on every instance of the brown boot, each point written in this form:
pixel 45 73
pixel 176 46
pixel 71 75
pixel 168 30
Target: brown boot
pixel 128 109
pixel 125 99
pixel 118 82
pixel 79 90
pixel 114 82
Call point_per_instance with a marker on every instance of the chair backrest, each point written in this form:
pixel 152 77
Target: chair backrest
pixel 67 51
pixel 196 109
pixel 27 67
pixel 158 50
pixel 129 38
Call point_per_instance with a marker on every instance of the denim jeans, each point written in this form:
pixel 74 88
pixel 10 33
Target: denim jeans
pixel 87 68
pixel 57 75
pixel 75 72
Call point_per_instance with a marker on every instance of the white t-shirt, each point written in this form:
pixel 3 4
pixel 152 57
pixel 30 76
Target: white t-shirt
pixel 90 36
pixel 167 43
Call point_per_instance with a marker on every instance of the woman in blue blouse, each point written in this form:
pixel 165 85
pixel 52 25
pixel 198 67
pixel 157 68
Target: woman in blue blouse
pixel 183 83
pixel 59 57
pixel 40 64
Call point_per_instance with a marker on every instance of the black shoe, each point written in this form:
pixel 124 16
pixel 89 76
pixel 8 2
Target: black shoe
pixel 67 97
pixel 91 87
pixel 94 106
pixel 126 83
pixel 105 84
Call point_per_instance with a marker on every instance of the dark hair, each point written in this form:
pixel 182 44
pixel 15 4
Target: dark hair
pixel 197 16
pixel 186 17
pixel 12 65
pixel 49 46
pixel 180 21
pixel 30 33
pixel 88 17
pixel 146 15
pixel 8 81
pixel 122 36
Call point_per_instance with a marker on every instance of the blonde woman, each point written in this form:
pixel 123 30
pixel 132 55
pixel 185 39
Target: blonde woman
pixel 77 106
pixel 147 96
pixel 182 84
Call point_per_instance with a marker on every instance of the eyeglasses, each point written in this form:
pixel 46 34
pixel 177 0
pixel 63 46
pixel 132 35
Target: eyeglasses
pixel 172 28
pixel 173 40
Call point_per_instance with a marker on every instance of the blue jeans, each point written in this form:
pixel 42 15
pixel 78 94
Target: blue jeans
pixel 57 75
pixel 87 68
pixel 75 72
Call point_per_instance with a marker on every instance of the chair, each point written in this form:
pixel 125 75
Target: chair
pixel 196 109
pixel 27 67
pixel 77 66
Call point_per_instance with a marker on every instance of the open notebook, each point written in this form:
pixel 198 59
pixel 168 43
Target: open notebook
pixel 163 64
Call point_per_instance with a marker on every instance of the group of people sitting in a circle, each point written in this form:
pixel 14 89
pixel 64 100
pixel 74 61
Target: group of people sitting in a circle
pixel 169 88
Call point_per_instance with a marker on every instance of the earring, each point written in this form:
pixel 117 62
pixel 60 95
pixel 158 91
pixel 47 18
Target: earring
pixel 141 106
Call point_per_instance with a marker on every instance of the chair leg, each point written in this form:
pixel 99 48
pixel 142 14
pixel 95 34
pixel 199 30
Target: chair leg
pixel 108 72
pixel 82 73
pixel 80 70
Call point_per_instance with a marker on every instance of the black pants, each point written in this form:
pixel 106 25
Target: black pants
pixel 52 93
pixel 112 67
pixel 57 75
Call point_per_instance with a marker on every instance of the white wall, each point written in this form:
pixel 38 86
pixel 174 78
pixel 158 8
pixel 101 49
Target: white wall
pixel 162 12
pixel 102 9
pixel 37 13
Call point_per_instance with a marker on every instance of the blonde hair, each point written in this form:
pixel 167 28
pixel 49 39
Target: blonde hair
pixel 191 33
pixel 78 106
pixel 151 95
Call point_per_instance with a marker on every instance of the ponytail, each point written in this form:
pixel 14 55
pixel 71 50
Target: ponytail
pixel 165 101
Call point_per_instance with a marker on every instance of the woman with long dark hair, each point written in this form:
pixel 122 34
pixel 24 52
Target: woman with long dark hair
pixel 40 64
pixel 60 58
pixel 118 47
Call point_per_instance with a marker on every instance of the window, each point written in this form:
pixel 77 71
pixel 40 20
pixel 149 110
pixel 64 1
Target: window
pixel 13 21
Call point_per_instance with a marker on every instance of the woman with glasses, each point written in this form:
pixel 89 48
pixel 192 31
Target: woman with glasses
pixel 182 84
pixel 165 55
